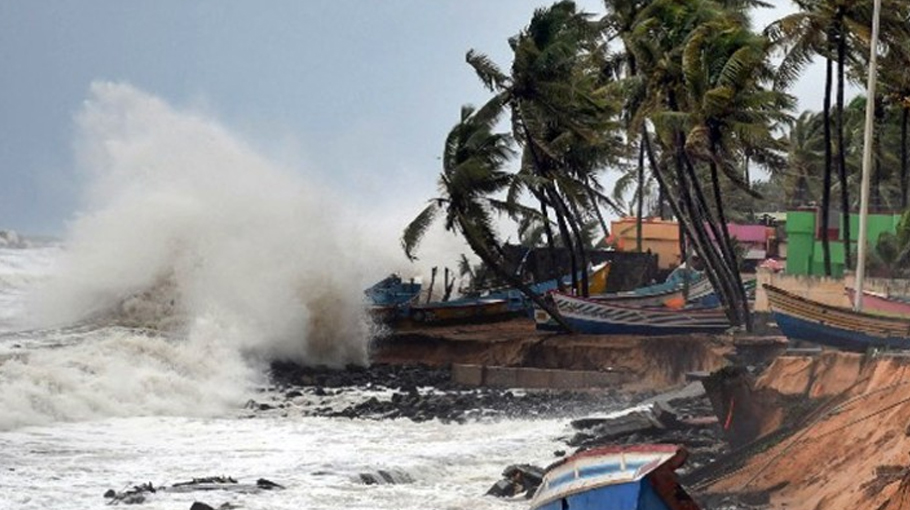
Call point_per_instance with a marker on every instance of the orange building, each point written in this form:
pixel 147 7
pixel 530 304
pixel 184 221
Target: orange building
pixel 660 237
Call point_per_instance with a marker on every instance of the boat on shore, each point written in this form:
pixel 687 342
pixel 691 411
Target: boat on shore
pixel 807 320
pixel 594 317
pixel 392 291
pixel 881 304
pixel 463 310
pixel 633 477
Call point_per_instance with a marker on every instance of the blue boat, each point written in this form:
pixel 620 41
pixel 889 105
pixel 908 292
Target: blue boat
pixel 634 477
pixel 804 319
pixel 592 317
pixel 391 291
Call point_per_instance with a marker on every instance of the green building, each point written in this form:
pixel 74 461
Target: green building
pixel 804 246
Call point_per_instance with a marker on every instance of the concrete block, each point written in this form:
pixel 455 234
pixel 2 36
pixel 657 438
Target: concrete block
pixel 468 375
pixel 501 377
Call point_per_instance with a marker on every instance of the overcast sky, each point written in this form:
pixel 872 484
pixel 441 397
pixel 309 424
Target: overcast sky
pixel 359 94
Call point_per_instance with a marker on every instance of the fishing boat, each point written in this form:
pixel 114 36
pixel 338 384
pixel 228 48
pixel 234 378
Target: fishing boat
pixel 593 317
pixel 460 310
pixel 392 291
pixel 881 303
pixel 519 302
pixel 851 329
pixel 634 477
pixel 804 319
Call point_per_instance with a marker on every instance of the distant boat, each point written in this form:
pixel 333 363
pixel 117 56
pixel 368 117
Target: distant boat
pixel 597 283
pixel 392 291
pixel 460 310
pixel 606 318
pixel 882 304
pixel 635 477
pixel 804 319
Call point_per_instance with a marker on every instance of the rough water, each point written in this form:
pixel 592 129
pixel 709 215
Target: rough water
pixel 128 350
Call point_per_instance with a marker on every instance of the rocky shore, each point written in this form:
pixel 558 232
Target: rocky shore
pixel 765 428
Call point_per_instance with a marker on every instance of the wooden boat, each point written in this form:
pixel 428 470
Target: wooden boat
pixel 605 318
pixel 881 304
pixel 634 477
pixel 518 302
pixel 804 319
pixel 391 291
pixel 460 310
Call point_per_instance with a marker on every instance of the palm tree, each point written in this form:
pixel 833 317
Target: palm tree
pixel 838 31
pixel 560 113
pixel 804 154
pixel 661 36
pixel 731 113
pixel 472 173
pixel 895 79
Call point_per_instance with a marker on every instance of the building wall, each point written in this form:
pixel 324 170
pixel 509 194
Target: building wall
pixel 805 254
pixel 823 289
pixel 661 237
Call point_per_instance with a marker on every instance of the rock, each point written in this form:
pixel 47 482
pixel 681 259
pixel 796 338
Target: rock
pixel 385 477
pixel 504 489
pixel 525 475
pixel 198 505
pixel 268 485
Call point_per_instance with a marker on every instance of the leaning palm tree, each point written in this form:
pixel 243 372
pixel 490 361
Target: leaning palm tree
pixel 472 174
pixel 731 112
pixel 560 115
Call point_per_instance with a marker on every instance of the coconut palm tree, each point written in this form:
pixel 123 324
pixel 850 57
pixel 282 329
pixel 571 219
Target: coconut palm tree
pixel 731 112
pixel 560 114
pixel 838 31
pixel 804 155
pixel 472 174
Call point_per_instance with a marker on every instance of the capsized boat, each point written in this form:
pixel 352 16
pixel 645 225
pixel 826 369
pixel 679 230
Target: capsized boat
pixel 592 317
pixel 800 318
pixel 634 477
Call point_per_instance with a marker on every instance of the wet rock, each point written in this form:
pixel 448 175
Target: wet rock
pixel 385 477
pixel 268 485
pixel 131 496
pixel 504 489
pixel 198 505
pixel 517 479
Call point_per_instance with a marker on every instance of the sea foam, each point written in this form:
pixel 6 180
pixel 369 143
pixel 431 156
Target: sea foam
pixel 185 229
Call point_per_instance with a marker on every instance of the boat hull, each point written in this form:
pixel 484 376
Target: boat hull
pixel 460 311
pixel 603 318
pixel 881 304
pixel 803 319
pixel 635 477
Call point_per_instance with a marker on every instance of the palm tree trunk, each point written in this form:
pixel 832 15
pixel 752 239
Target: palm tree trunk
pixel 693 228
pixel 876 197
pixel 841 149
pixel 904 120
pixel 600 217
pixel 641 195
pixel 566 235
pixel 739 289
pixel 826 182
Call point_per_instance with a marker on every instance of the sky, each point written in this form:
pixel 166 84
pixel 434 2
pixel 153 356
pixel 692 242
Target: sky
pixel 357 95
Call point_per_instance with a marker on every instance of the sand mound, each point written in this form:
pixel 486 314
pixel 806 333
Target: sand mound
pixel 839 455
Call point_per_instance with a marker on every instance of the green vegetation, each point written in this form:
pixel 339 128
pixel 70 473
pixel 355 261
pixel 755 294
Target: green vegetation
pixel 690 88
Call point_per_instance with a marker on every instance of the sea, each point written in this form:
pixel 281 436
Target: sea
pixel 129 346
